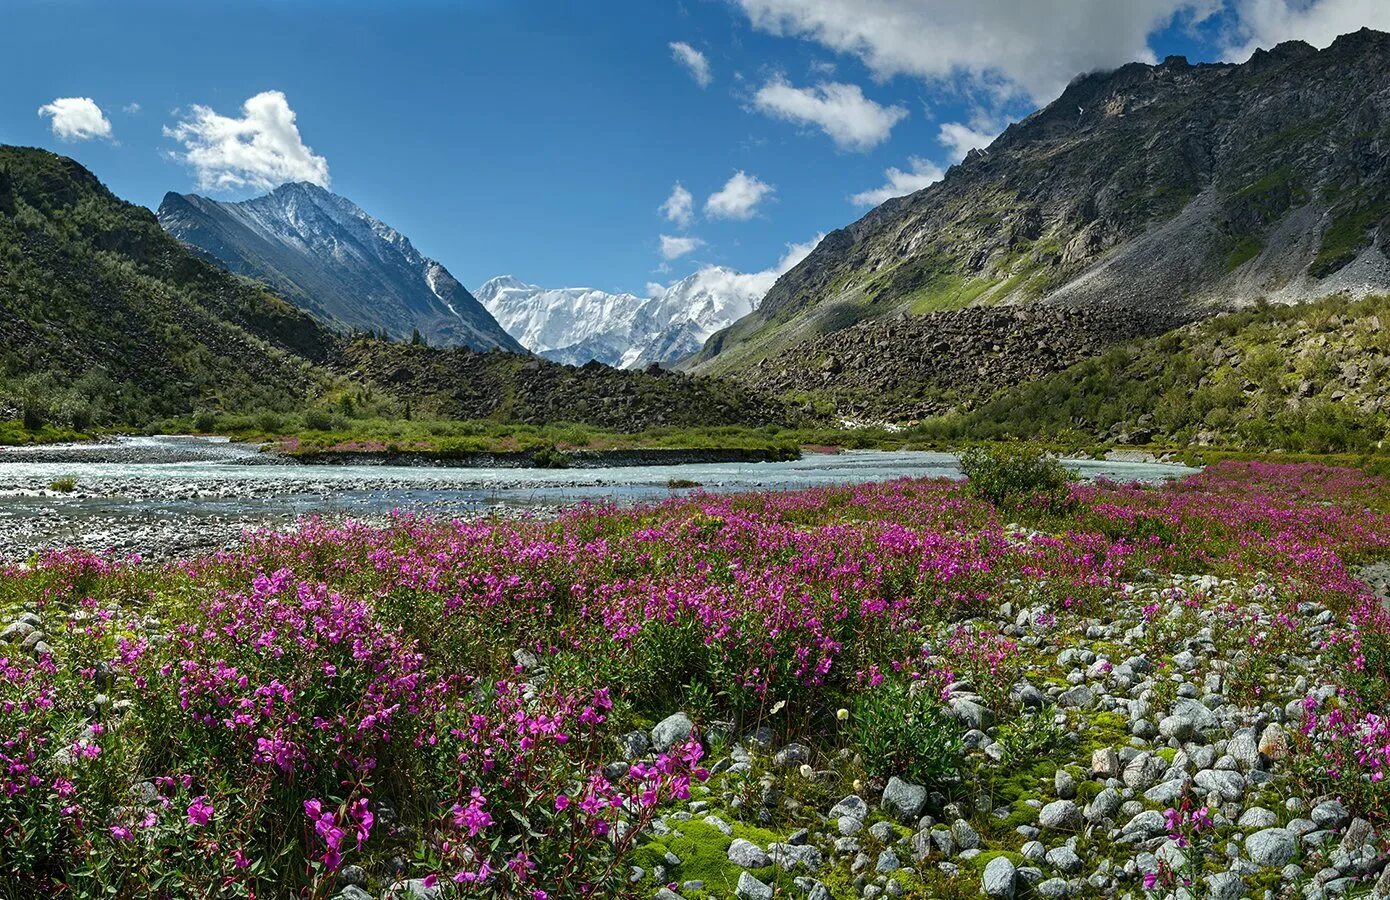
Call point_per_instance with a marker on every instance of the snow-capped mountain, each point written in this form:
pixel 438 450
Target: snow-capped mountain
pixel 575 325
pixel 570 325
pixel 326 255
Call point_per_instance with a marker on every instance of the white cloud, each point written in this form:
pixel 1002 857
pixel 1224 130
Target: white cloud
pixel 673 247
pixel 131 108
pixel 262 149
pixel 720 280
pixel 738 198
pixel 1015 49
pixel 900 183
pixel 1264 23
pixel 842 111
pixel 679 207
pixel 694 61
pixel 960 138
pixel 76 119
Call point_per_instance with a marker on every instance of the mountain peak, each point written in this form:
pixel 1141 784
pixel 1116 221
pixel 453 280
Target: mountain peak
pixel 324 253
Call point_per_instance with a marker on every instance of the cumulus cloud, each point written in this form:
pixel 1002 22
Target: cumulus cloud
pixel 853 121
pixel 76 119
pixel 262 149
pixel 674 247
pixel 1264 23
pixel 1015 49
pixel 960 139
pixel 739 198
pixel 694 61
pixel 900 183
pixel 753 285
pixel 679 207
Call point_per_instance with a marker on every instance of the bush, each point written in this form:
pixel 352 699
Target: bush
pixel 66 485
pixel 549 458
pixel 1016 476
pixel 205 421
pixel 904 732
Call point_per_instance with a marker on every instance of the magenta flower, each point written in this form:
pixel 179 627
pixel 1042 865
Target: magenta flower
pixel 200 811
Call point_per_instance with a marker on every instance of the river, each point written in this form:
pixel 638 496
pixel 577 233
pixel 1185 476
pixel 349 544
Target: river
pixel 174 495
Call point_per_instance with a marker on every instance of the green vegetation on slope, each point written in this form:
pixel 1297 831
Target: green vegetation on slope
pixel 1304 378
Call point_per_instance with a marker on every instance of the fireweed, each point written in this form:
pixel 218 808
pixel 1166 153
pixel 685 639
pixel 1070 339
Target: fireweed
pixel 247 723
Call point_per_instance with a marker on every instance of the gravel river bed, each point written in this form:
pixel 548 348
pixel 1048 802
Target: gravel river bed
pixel 168 496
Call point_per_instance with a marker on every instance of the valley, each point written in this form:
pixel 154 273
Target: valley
pixel 1025 538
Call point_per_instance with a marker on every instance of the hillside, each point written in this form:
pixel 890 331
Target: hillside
pixel 108 320
pixel 1166 192
pixel 329 257
pixel 1308 377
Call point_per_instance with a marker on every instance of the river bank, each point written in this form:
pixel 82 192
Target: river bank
pixel 168 497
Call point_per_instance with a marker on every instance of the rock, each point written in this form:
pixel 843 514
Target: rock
pixel 1358 834
pixel 670 731
pixel 904 800
pixel 1330 814
pixel 789 856
pixel 1105 763
pixel 1245 749
pixel 853 805
pixel 973 714
pixel 999 878
pixel 1274 744
pixel 965 837
pixel 412 889
pixel 1225 886
pixel 748 854
pixel 1149 822
pixel 1256 818
pixel 1064 784
pixel 1064 859
pixel 1079 697
pixel 1104 806
pixel 1177 728
pixel 887 862
pixel 1061 815
pixel 750 888
pixel 1052 888
pixel 352 892
pixel 1227 786
pixel 792 755
pixel 635 744
pixel 1271 847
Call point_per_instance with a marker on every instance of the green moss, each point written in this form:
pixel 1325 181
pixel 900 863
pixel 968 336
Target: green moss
pixel 1247 249
pixel 1347 236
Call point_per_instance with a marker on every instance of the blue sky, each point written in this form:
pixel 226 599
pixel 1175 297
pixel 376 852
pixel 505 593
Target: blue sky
pixel 542 138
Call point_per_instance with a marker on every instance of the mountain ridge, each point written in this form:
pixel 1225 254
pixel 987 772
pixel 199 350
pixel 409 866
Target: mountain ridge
pixel 1175 190
pixel 108 320
pixel 330 257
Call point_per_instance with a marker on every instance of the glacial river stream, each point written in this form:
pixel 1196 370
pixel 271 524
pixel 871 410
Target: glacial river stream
pixel 168 495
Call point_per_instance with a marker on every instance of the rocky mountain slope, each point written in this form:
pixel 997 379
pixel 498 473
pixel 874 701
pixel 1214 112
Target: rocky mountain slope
pixel 576 325
pixel 1167 191
pixel 106 319
pixel 329 257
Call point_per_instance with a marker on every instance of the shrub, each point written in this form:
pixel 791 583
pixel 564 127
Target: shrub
pixel 1016 476
pixel 64 485
pixel 549 458
pixel 904 732
pixel 205 421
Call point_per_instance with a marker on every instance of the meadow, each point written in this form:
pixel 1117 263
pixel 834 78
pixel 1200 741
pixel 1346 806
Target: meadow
pixel 621 702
